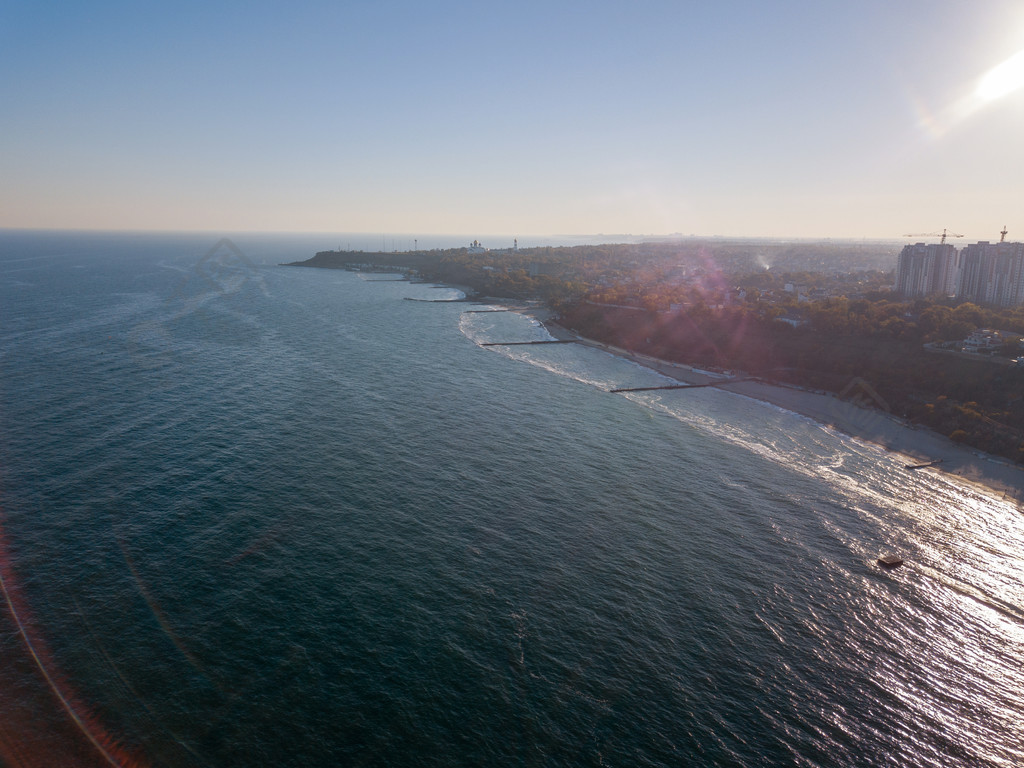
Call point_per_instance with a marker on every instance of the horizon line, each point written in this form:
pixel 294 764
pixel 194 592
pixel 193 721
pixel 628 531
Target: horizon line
pixel 413 235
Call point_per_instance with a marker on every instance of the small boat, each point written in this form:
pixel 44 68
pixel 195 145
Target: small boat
pixel 890 561
pixel 923 466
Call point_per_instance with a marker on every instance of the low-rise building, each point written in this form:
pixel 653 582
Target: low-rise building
pixel 986 341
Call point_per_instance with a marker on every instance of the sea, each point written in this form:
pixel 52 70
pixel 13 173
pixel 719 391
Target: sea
pixel 260 515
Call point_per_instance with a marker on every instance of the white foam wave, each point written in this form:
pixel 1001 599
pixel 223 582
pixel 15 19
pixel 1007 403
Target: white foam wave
pixel 866 478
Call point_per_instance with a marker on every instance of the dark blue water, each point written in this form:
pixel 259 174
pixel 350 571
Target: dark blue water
pixel 258 515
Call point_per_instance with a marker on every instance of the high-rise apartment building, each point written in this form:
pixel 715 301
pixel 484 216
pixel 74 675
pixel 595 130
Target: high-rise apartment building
pixel 992 273
pixel 926 270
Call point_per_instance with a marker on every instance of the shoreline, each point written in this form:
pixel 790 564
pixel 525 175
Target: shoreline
pixel 917 444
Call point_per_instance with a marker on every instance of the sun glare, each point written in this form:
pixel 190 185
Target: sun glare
pixel 1003 79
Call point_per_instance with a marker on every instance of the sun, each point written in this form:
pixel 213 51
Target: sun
pixel 1002 79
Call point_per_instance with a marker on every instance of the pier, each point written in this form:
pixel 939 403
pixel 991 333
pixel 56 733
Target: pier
pixel 923 466
pixel 681 386
pixel 525 343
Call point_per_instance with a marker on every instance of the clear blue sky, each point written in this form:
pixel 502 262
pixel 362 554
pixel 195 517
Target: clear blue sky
pixel 805 119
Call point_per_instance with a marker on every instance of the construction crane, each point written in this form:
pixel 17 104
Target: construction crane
pixel 943 234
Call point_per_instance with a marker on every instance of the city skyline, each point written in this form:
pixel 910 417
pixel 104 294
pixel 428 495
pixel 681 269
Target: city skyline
pixel 984 272
pixel 795 120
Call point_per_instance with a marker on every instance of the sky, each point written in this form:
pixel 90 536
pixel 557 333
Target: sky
pixel 824 118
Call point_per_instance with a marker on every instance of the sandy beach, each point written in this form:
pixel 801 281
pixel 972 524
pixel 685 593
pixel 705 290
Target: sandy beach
pixel 917 444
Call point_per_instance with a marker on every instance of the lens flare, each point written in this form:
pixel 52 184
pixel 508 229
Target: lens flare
pixel 1003 79
pixel 29 741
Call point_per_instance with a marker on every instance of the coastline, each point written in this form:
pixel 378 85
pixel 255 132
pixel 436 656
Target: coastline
pixel 917 444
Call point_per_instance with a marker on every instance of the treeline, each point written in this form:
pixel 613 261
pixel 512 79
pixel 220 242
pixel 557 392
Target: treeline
pixel 652 274
pixel 919 321
pixel 550 274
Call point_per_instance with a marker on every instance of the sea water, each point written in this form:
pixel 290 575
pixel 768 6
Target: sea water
pixel 265 515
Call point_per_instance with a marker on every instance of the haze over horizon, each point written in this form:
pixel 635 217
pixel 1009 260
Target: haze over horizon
pixel 799 119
